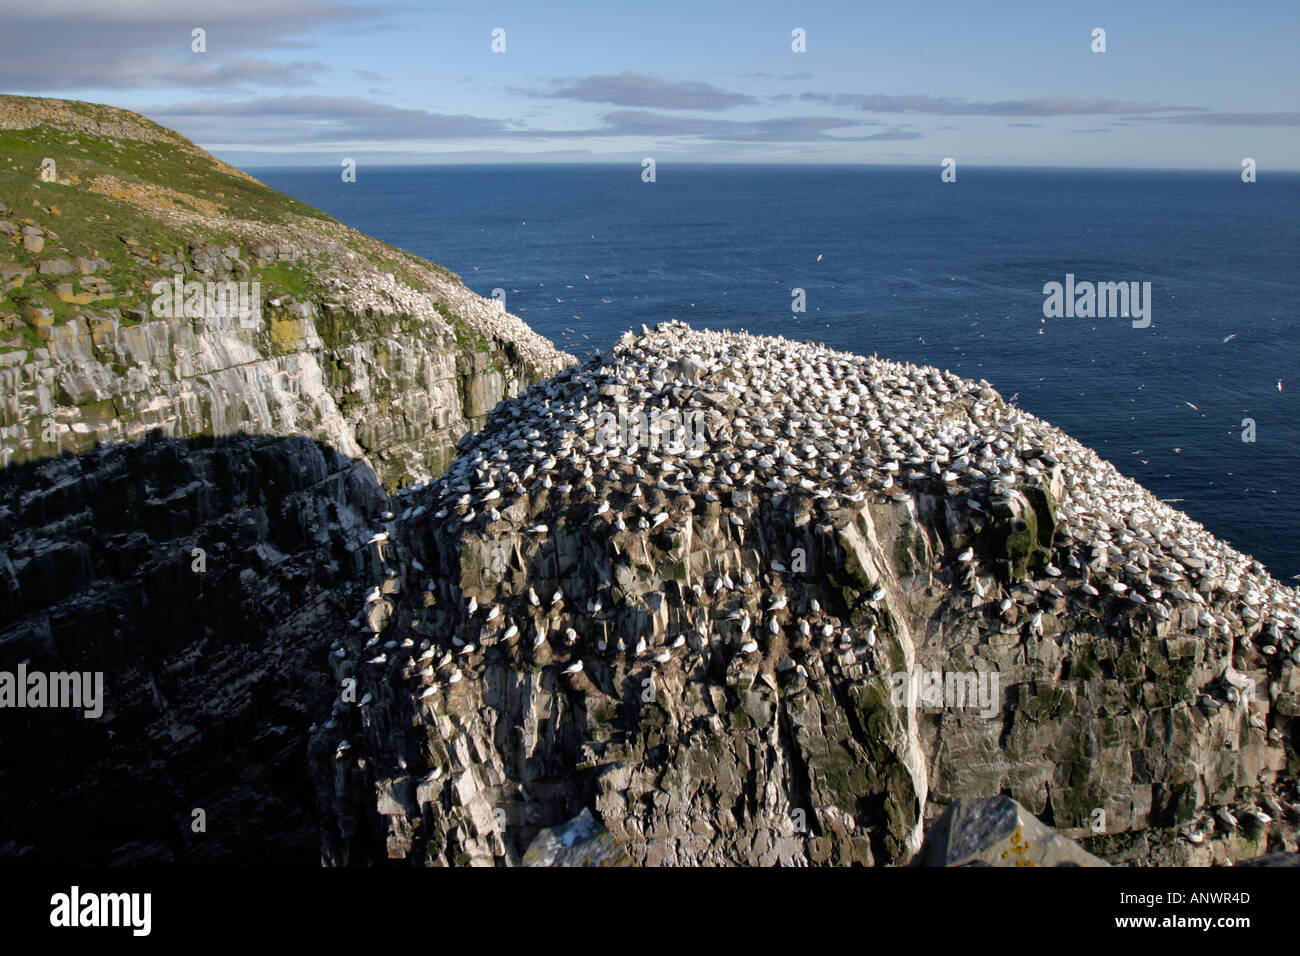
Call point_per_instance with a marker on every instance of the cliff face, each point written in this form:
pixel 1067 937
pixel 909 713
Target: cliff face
pixel 708 636
pixel 375 352
pixel 200 578
pixel 358 373
pixel 709 599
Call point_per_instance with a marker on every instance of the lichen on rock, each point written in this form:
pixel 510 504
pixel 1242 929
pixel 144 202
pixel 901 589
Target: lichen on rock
pixel 701 642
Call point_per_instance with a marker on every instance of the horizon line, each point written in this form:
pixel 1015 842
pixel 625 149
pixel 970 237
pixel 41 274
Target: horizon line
pixel 1234 170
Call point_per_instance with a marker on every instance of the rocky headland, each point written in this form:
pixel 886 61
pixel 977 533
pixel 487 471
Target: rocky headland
pixel 382 577
pixel 690 583
pixel 380 354
pixel 186 497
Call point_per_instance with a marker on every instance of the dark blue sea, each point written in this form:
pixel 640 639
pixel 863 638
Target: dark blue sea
pixel 895 262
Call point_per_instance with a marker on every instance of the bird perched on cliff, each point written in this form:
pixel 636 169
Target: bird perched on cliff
pixel 718 451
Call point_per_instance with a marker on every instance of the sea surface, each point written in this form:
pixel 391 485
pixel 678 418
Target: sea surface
pixel 894 262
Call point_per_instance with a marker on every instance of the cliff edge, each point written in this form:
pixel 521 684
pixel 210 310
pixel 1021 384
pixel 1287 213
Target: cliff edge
pixel 207 390
pixel 757 601
pixel 128 258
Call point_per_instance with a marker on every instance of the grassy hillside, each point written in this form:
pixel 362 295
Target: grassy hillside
pixel 129 193
pixel 356 342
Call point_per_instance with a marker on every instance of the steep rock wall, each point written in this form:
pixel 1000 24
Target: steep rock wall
pixel 712 665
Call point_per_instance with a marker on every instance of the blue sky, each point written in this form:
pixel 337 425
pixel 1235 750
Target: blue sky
pixel 306 82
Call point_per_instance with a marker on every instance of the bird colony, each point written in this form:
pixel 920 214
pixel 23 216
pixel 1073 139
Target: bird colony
pixel 783 423
pixel 714 541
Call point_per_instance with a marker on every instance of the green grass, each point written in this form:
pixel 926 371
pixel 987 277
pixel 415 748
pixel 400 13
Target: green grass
pixel 466 337
pixel 166 164
pixel 286 279
pixel 185 180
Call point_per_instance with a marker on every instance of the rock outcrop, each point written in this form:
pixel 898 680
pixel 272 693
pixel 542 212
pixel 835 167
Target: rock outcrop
pixel 581 841
pixel 997 831
pixel 128 259
pixel 708 599
pixel 201 579
pixel 754 601
pixel 189 359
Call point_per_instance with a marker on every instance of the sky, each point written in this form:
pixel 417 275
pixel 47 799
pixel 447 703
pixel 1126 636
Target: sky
pixel 1183 85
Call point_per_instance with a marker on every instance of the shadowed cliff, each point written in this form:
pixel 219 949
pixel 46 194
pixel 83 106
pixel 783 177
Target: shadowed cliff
pixel 205 579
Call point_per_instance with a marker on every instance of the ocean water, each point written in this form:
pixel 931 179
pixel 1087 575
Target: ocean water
pixel 894 262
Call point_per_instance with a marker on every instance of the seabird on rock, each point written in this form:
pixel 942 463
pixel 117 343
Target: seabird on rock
pixel 823 435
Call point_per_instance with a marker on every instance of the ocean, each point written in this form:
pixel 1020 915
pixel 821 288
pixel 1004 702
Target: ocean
pixel 893 261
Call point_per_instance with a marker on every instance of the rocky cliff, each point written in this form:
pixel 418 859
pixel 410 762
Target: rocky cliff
pixel 201 578
pixel 189 482
pixel 756 601
pixel 706 599
pixel 104 215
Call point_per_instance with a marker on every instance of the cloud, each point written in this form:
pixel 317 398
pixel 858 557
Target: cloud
pixel 254 159
pixel 639 89
pixel 290 121
pixel 284 120
pixel 780 129
pixel 56 45
pixel 244 71
pixel 890 135
pixel 1049 106
pixel 954 106
pixel 770 76
pixel 1237 119
pixel 1028 125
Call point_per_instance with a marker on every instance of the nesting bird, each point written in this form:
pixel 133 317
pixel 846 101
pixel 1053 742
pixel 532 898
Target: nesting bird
pixel 773 425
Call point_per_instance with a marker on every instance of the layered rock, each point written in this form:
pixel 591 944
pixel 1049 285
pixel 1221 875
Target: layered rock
pixel 790 608
pixel 375 352
pixel 200 579
pixel 258 417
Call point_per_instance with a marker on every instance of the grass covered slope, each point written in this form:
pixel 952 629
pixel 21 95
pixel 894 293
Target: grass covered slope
pixel 360 344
